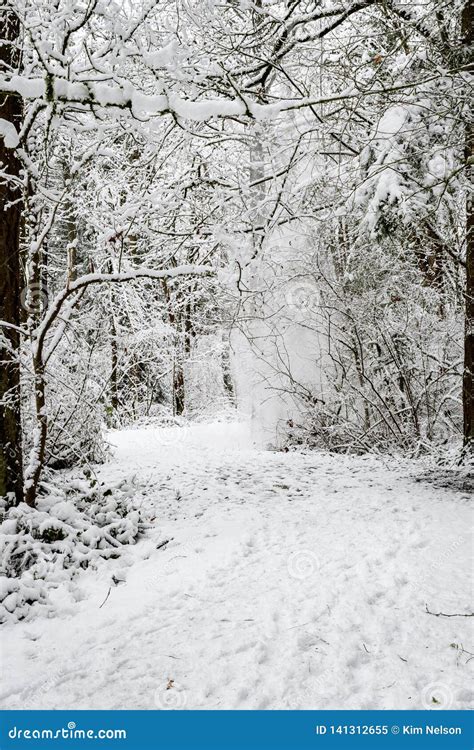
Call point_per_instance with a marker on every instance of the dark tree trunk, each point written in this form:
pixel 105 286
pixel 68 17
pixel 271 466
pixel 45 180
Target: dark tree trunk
pixel 114 401
pixel 178 396
pixel 71 229
pixel 178 389
pixel 11 462
pixel 468 377
pixel 188 333
pixel 114 353
pixel 227 376
pixel 430 253
pixel 38 451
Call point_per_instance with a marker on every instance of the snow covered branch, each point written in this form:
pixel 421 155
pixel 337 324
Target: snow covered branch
pixel 126 97
pixel 100 278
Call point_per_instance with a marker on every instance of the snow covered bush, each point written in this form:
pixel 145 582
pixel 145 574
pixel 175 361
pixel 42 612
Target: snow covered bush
pixel 68 531
pixel 391 360
pixel 76 415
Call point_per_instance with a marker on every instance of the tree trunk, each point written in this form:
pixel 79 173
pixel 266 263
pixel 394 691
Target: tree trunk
pixel 71 229
pixel 178 395
pixel 468 376
pixel 38 451
pixel 114 401
pixel 188 333
pixel 227 376
pixel 178 389
pixel 11 460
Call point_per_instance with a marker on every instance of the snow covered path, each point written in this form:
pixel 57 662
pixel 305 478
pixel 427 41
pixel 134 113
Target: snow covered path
pixel 288 581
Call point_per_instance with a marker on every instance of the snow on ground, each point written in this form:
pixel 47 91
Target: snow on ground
pixel 289 580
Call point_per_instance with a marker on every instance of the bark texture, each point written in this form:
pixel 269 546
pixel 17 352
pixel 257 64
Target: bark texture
pixel 11 463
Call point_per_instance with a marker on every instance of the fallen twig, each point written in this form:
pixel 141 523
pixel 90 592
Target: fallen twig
pixel 108 594
pixel 453 614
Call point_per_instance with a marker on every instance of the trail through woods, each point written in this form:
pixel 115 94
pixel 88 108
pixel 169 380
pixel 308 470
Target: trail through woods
pixel 288 580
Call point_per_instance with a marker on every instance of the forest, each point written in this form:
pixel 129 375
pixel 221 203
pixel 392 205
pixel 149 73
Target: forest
pixel 237 266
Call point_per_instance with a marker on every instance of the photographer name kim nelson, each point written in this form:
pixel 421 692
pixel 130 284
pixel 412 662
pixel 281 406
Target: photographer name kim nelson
pixel 431 729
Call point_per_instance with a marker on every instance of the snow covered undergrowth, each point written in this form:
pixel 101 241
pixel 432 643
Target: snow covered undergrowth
pixel 268 580
pixel 70 529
